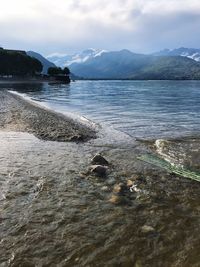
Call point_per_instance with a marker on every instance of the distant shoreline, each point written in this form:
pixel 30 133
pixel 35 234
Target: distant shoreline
pixel 60 82
pixel 104 79
pixel 32 80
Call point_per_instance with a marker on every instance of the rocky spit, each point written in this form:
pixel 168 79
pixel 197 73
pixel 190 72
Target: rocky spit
pixel 20 115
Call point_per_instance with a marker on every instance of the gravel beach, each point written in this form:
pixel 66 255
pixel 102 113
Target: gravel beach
pixel 20 115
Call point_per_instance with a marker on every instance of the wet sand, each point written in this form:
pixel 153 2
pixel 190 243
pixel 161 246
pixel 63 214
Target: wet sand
pixel 17 114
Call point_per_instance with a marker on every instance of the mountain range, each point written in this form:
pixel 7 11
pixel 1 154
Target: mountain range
pixel 62 60
pixel 181 63
pixel 182 51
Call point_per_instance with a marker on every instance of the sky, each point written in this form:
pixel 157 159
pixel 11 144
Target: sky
pixel 67 26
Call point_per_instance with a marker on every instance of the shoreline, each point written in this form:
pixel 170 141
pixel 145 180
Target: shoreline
pixel 22 115
pixel 47 190
pixel 13 81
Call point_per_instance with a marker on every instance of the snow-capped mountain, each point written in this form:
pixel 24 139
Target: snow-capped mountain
pixel 125 64
pixel 182 51
pixel 181 63
pixel 63 60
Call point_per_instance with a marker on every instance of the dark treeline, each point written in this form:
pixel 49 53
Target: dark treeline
pixel 54 71
pixel 59 74
pixel 18 64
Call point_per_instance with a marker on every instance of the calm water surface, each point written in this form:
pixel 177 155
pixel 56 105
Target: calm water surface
pixel 139 108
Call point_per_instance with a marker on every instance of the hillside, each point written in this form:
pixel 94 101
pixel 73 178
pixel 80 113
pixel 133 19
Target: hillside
pixel 169 68
pixel 45 63
pixel 18 63
pixel 127 65
pixel 192 53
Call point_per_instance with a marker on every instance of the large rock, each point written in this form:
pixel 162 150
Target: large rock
pixel 100 160
pixel 99 170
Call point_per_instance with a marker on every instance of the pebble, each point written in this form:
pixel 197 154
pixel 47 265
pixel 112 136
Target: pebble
pixel 117 200
pixel 129 183
pixel 105 188
pixel 135 177
pixel 146 229
pixel 120 188
pixel 138 264
pixel 82 175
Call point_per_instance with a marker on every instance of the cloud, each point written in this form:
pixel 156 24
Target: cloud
pixel 64 25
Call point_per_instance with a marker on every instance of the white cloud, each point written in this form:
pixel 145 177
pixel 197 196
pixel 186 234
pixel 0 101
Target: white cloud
pixel 60 25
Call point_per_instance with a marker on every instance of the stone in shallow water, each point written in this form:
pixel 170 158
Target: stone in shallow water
pixel 146 229
pixel 120 188
pixel 138 264
pixel 129 183
pixel 98 170
pixel 118 200
pixel 105 188
pixel 98 159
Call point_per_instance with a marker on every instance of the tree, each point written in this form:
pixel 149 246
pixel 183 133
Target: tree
pixel 66 71
pixel 13 63
pixel 54 71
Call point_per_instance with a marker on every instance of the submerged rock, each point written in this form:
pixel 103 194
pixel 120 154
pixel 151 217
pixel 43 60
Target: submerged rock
pixel 83 175
pixel 146 229
pixel 99 170
pixel 138 264
pixel 120 188
pixel 129 183
pixel 118 200
pixel 100 160
pixel 105 188
pixel 121 194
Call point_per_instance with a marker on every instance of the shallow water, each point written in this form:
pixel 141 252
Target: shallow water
pixel 50 215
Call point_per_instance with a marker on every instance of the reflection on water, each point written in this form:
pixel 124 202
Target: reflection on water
pixel 23 87
pixel 139 108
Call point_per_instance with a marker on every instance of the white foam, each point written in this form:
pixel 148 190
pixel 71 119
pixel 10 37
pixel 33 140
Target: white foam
pixel 106 134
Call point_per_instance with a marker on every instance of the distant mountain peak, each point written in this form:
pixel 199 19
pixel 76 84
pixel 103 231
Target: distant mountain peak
pixel 89 51
pixel 125 51
pixel 192 53
pixel 94 63
pixel 63 60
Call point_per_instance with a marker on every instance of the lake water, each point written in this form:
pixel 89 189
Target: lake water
pixel 54 215
pixel 143 109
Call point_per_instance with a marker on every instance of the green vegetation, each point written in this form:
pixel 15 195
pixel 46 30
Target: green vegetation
pixel 61 75
pixel 154 160
pixel 18 64
pixel 54 71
